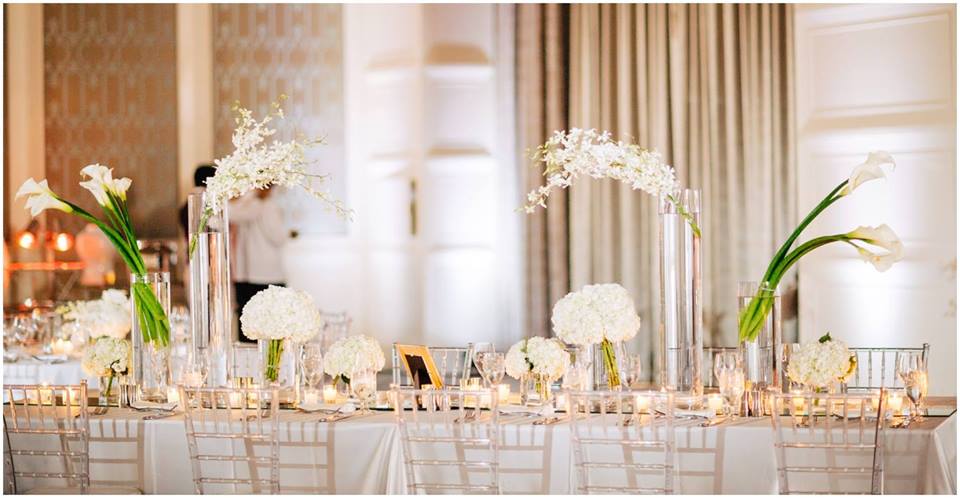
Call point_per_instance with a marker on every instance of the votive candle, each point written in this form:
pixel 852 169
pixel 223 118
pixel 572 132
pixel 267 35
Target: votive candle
pixel 643 404
pixel 715 403
pixel 173 396
pixel 329 394
pixel 503 390
pixel 895 403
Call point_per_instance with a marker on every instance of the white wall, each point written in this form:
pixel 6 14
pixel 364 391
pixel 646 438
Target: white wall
pixel 881 77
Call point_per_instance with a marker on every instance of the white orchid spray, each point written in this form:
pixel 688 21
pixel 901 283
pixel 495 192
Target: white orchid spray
pixel 254 164
pixel 569 154
pixel 111 195
pixel 878 245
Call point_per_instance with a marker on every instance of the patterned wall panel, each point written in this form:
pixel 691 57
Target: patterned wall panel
pixel 111 97
pixel 263 51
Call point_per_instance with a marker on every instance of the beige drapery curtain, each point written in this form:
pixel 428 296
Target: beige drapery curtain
pixel 710 87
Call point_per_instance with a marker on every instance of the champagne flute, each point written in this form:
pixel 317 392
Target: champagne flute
pixel 912 370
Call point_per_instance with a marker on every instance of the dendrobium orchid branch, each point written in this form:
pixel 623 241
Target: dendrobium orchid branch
pixel 111 195
pixel 866 240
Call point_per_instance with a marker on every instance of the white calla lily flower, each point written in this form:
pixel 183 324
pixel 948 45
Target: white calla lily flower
pixel 40 197
pixel 101 179
pixel 871 169
pixel 881 236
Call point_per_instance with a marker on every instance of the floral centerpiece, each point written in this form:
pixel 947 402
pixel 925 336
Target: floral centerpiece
pixel 257 165
pixel 597 314
pixel 108 316
pixel 878 245
pixel 822 364
pixel 106 358
pixel 277 315
pixel 545 360
pixel 352 354
pixel 111 194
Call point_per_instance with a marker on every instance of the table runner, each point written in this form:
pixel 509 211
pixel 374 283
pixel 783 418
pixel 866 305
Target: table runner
pixel 362 455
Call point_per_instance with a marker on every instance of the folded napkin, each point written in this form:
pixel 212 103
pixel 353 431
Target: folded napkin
pixel 149 405
pixel 328 407
pixel 527 410
pixel 50 358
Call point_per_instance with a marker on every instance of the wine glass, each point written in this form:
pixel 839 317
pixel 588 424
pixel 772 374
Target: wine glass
pixel 725 361
pixel 364 386
pixel 493 365
pixel 313 364
pixel 912 370
pixel 479 349
pixel 728 369
pixel 633 366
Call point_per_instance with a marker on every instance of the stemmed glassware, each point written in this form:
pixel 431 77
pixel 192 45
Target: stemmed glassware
pixel 912 370
pixel 312 361
pixel 492 366
pixel 728 367
pixel 633 370
pixel 364 385
pixel 478 350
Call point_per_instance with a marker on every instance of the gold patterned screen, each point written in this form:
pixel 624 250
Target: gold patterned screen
pixel 111 97
pixel 263 51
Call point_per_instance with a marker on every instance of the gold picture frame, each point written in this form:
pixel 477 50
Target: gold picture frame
pixel 417 360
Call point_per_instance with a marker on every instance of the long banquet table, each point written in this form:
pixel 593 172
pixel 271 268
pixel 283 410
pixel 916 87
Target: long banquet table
pixel 362 455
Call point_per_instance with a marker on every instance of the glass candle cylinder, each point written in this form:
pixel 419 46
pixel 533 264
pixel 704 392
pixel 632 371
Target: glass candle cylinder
pixel 151 359
pixel 762 356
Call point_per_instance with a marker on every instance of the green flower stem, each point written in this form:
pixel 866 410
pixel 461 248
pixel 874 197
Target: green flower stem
pixel 274 350
pixel 610 363
pixel 204 219
pixel 109 384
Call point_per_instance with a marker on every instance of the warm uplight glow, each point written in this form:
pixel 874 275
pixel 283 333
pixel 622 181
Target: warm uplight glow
pixel 63 242
pixel 26 240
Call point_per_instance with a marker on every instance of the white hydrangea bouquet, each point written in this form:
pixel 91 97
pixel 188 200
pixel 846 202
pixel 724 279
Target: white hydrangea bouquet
pixel 277 315
pixel 568 155
pixel 108 316
pixel 819 365
pixel 107 358
pixel 257 165
pixel 352 354
pixel 601 314
pixel 545 360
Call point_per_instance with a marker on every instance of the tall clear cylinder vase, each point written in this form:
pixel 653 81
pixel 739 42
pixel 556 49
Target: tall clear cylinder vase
pixel 762 362
pixel 151 360
pixel 211 310
pixel 681 308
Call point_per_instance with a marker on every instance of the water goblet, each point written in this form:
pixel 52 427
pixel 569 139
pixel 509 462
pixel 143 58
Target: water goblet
pixel 493 365
pixel 312 361
pixel 912 370
pixel 731 382
pixel 364 386
pixel 725 361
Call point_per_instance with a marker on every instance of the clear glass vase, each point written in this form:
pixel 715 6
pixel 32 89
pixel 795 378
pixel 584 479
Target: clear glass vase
pixel 280 368
pixel 681 309
pixel 211 309
pixel 151 359
pixel 535 390
pixel 112 391
pixel 762 361
pixel 608 364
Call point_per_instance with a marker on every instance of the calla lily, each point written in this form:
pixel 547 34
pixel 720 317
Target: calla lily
pixel 102 183
pixel 881 236
pixel 41 198
pixel 871 169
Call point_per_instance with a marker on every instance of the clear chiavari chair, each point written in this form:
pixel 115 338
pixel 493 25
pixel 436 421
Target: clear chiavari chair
pixel 877 367
pixel 49 422
pixel 225 429
pixel 450 440
pixel 709 380
pixel 453 364
pixel 621 444
pixel 829 443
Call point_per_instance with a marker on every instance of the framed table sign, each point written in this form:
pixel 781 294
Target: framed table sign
pixel 419 364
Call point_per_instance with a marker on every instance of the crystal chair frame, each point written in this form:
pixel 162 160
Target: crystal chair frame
pixel 608 419
pixel 450 419
pixel 807 426
pixel 51 410
pixel 462 362
pixel 866 375
pixel 246 415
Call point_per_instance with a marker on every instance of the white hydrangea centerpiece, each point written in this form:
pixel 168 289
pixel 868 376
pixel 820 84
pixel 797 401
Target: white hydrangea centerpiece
pixel 352 354
pixel 545 359
pixel 107 357
pixel 108 316
pixel 818 365
pixel 277 314
pixel 597 314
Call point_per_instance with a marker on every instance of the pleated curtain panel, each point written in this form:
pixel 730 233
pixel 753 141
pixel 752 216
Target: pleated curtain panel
pixel 709 86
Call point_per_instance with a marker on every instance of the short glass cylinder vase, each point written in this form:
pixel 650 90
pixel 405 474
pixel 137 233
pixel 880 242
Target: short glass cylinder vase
pixel 762 365
pixel 211 310
pixel 535 390
pixel 608 361
pixel 113 391
pixel 151 359
pixel 681 309
pixel 280 368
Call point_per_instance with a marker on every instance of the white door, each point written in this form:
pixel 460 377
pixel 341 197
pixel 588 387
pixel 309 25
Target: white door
pixel 881 77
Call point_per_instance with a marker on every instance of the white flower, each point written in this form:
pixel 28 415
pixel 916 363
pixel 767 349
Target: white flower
pixel 537 355
pixel 820 364
pixel 101 183
pixel 107 356
pixel 596 312
pixel 40 197
pixel 352 354
pixel 108 316
pixel 881 236
pixel 281 313
pixel 869 170
pixel 569 154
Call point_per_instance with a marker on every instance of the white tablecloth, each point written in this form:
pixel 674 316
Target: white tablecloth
pixel 362 455
pixel 31 371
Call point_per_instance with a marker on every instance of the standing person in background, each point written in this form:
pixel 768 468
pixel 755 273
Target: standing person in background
pixel 258 232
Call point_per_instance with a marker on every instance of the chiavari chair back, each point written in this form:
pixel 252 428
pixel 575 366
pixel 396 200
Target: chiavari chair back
pixel 233 439
pixel 453 364
pixel 37 418
pixel 621 444
pixel 450 440
pixel 335 326
pixel 877 367
pixel 829 443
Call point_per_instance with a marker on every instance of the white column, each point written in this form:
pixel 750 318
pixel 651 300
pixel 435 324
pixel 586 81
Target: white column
pixel 194 92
